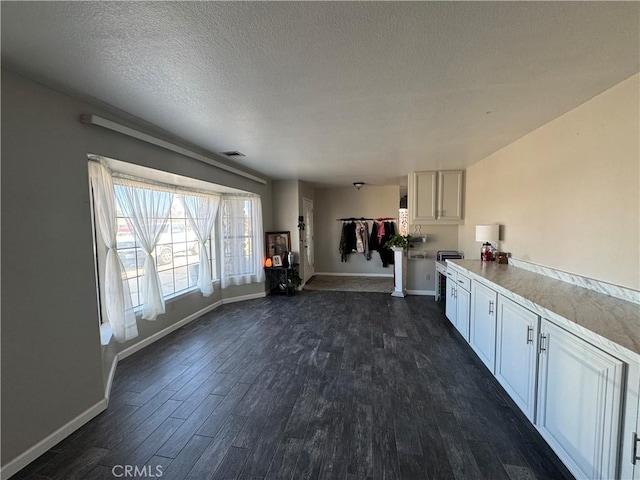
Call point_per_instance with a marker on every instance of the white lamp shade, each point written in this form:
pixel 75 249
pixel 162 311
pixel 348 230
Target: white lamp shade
pixel 487 233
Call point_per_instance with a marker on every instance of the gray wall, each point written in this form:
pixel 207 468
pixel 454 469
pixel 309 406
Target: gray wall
pixel 421 272
pixel 333 203
pixel 52 366
pixel 285 210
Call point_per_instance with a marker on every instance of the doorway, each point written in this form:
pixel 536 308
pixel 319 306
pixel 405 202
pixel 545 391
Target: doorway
pixel 307 239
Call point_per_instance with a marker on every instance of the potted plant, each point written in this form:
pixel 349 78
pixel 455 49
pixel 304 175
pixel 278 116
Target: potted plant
pixel 398 241
pixel 291 281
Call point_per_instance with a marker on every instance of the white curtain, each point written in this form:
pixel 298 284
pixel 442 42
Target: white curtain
pixel 201 212
pixel 117 306
pixel 147 211
pixel 241 240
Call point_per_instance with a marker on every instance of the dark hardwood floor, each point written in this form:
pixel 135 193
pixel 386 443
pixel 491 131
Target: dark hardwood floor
pixel 319 385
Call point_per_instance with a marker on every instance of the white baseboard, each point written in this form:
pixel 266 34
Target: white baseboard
pixel 390 275
pixel 21 461
pixel 422 292
pixel 242 298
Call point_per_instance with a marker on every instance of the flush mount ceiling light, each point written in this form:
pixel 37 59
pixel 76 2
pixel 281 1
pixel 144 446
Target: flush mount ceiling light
pixel 358 185
pixel 233 153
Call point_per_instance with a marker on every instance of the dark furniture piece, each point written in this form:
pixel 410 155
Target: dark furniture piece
pixel 279 279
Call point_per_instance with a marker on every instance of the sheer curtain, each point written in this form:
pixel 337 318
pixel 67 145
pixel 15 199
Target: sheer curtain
pixel 117 299
pixel 147 211
pixel 241 240
pixel 201 211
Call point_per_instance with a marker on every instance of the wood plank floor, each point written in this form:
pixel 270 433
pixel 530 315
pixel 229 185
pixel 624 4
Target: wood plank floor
pixel 320 385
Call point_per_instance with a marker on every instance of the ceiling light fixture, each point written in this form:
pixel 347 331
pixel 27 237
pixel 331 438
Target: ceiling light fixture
pixel 358 185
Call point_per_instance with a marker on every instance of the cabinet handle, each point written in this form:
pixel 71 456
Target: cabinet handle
pixel 490 307
pixel 460 282
pixel 529 334
pixel 542 347
pixel 634 447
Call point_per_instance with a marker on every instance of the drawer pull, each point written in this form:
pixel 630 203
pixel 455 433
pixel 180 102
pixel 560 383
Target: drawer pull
pixel 542 347
pixel 529 334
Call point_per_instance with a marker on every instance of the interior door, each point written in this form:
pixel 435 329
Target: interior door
pixel 307 206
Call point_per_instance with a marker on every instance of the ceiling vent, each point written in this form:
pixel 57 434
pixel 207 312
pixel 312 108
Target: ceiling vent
pixel 233 153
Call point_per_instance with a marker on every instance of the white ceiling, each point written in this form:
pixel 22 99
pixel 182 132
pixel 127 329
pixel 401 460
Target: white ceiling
pixel 333 92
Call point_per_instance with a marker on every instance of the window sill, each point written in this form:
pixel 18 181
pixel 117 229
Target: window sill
pixel 106 332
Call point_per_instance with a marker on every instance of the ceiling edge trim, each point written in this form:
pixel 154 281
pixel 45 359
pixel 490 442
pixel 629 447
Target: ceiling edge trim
pixel 116 127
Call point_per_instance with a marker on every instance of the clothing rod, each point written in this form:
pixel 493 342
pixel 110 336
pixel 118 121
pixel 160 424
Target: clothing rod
pixel 116 127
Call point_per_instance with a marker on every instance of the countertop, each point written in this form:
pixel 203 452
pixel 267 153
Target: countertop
pixel 585 311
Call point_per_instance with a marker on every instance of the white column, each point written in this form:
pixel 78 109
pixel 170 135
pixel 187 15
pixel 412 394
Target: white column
pixel 400 272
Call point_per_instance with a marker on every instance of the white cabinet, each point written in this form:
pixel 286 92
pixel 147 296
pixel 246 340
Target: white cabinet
pixel 516 353
pixel 482 331
pixel 579 402
pixel 435 197
pixel 457 301
pixel 450 306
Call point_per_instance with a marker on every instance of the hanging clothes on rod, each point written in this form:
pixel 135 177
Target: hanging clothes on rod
pixel 354 238
pixel 382 231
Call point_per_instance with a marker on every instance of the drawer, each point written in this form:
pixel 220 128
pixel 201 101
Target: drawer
pixel 463 282
pixel 451 274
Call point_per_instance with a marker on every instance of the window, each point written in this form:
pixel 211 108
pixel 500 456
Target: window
pixel 137 210
pixel 241 241
pixel 177 254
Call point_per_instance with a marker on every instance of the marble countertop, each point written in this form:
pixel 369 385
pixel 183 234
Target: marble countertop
pixel 616 321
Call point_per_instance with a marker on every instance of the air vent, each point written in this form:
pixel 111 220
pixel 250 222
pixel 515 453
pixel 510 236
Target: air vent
pixel 233 153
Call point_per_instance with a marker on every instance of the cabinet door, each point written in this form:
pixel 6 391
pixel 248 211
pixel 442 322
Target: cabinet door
pixel 579 402
pixel 449 195
pixel 482 331
pixel 516 353
pixel 462 314
pixel 422 196
pixel 450 308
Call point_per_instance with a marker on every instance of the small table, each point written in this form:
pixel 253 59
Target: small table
pixel 279 279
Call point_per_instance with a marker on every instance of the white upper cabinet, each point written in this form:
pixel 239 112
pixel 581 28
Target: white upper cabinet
pixel 435 197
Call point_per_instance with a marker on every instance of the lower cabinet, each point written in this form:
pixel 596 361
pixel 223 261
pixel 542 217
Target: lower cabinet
pixel 482 328
pixel 516 353
pixel 579 402
pixel 458 302
pixel 579 397
pixel 463 300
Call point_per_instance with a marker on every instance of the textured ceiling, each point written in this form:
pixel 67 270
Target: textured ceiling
pixel 331 92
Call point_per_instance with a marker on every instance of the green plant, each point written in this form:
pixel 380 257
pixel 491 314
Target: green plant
pixel 397 240
pixel 295 280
